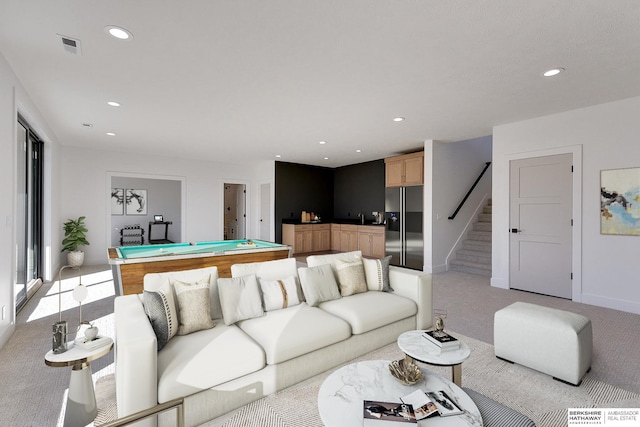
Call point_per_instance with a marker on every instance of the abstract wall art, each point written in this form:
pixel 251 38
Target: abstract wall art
pixel 117 201
pixel 136 202
pixel 620 201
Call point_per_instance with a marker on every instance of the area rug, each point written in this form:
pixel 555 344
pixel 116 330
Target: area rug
pixel 532 393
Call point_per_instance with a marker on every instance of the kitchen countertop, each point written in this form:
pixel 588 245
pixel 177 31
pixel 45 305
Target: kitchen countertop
pixel 334 221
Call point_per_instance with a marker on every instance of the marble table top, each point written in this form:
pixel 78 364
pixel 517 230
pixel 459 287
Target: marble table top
pixel 341 396
pixel 414 345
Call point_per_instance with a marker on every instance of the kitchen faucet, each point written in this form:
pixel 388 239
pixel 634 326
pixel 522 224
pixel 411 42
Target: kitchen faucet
pixel 361 216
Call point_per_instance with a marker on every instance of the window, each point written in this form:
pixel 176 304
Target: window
pixel 28 223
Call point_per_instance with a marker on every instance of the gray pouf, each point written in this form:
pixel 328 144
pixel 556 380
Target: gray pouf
pixel 495 414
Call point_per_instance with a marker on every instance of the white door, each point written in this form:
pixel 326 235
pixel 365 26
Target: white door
pixel 541 225
pixel 265 211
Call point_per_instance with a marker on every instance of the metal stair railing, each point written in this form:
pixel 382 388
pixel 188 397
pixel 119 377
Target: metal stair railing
pixel 177 404
pixel 486 166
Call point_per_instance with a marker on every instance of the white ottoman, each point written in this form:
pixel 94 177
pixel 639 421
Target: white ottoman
pixel 552 341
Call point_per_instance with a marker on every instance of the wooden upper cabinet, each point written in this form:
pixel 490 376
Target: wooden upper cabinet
pixel 404 171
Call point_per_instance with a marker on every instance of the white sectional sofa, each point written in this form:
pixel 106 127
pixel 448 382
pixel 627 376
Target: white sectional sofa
pixel 222 368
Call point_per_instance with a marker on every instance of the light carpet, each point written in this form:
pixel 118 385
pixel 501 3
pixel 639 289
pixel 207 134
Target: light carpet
pixel 532 393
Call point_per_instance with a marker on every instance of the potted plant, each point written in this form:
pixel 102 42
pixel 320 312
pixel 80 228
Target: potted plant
pixel 74 237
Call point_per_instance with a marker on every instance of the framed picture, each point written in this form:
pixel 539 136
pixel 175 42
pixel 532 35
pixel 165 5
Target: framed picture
pixel 136 202
pixel 117 201
pixel 620 201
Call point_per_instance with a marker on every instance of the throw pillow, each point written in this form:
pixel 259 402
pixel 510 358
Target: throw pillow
pixel 194 306
pixel 279 294
pixel 157 306
pixel 376 272
pixel 351 278
pixel 240 298
pixel 318 284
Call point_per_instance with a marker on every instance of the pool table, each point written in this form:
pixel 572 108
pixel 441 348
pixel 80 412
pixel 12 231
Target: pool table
pixel 130 263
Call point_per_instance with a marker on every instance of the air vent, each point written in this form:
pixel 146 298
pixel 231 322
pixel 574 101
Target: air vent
pixel 71 45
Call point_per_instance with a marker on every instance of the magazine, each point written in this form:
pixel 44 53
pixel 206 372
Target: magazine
pixel 446 406
pixel 377 414
pixel 423 406
pixel 442 339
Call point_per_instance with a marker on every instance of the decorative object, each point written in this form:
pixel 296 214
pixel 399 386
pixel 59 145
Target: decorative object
pixel 59 341
pixel 91 332
pixel 117 201
pixel 136 202
pixel 406 371
pixel 74 237
pixel 438 321
pixel 620 201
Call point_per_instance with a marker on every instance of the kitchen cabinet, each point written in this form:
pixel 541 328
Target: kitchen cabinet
pixel 305 238
pixel 348 237
pixel 321 237
pixel 371 241
pixel 335 237
pixel 404 171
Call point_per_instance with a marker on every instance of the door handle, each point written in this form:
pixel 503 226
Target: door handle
pixel 515 230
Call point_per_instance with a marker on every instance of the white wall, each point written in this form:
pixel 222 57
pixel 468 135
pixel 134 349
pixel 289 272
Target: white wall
pixel 14 99
pixel 451 169
pixel 85 191
pixel 609 137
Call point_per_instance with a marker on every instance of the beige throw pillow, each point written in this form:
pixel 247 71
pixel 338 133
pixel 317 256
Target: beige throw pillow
pixel 351 279
pixel 240 298
pixel 194 306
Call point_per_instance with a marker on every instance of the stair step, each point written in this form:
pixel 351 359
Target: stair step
pixel 474 256
pixel 484 217
pixel 470 267
pixel 484 236
pixel 477 245
pixel 487 210
pixel 482 226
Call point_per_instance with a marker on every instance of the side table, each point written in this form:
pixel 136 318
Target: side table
pixel 81 400
pixel 414 345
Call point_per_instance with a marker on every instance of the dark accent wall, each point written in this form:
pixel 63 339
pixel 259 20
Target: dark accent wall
pixel 301 188
pixel 330 193
pixel 357 189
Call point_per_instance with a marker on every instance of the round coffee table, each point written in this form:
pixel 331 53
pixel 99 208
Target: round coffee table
pixel 414 345
pixel 342 395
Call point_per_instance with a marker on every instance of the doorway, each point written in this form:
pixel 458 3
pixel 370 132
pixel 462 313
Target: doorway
pixel 235 211
pixel 541 225
pixel 265 211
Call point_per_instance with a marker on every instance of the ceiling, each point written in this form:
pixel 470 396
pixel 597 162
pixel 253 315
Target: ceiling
pixel 232 80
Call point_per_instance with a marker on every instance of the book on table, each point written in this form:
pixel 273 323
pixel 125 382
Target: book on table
pixel 442 340
pixel 378 414
pixel 93 344
pixel 445 404
pixel 423 405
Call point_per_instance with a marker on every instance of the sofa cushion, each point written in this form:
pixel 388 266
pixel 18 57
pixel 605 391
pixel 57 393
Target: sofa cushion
pixel 316 260
pixel 160 309
pixel 279 294
pixel 370 310
pixel 269 270
pixel 154 281
pixel 351 278
pixel 195 362
pixel 376 271
pixel 294 331
pixel 194 306
pixel 240 298
pixel 319 284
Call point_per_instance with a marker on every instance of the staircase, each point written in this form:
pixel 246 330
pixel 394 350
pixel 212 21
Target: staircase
pixel 475 255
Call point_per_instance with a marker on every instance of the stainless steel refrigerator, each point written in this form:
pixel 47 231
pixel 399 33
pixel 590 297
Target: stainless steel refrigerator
pixel 404 236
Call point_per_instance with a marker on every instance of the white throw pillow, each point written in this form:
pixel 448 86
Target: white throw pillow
pixel 194 306
pixel 376 272
pixel 351 278
pixel 279 294
pixel 318 284
pixel 240 298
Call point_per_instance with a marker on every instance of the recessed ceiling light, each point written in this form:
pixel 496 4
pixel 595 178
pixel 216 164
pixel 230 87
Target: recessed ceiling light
pixel 111 134
pixel 358 151
pixel 322 142
pixel 278 156
pixel 326 158
pixel 118 32
pixel 113 103
pixel 553 72
pixel 398 119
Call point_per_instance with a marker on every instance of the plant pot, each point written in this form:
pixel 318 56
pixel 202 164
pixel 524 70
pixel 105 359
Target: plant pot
pixel 75 258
